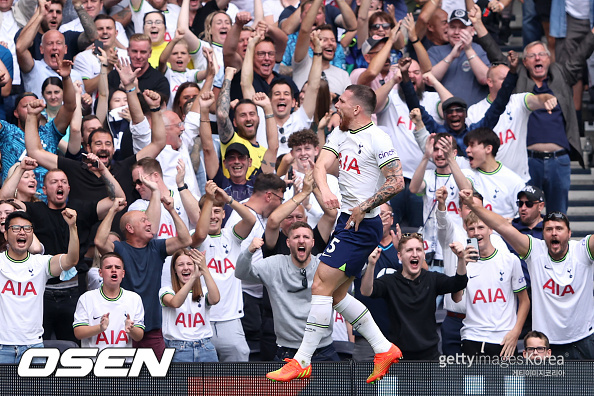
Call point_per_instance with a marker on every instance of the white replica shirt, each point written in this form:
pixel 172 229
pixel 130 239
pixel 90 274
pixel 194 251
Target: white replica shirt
pixel 176 79
pixel 76 26
pixel 40 72
pixel 512 129
pixel 499 189
pixel 22 284
pixel 340 331
pixel 449 231
pixel 171 17
pixel 8 29
pixel 89 66
pixel 490 300
pixel 94 304
pixel 221 252
pixel 337 78
pixel 190 322
pixel 434 181
pixel 253 289
pixel 361 154
pixel 400 128
pixel 562 298
pixel 297 121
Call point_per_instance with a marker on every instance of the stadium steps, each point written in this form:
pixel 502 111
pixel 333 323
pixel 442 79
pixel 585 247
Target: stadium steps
pixel 581 201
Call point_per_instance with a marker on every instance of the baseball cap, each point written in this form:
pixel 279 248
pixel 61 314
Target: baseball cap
pixel 371 42
pixel 237 147
pixel 532 193
pixel 454 100
pixel 460 15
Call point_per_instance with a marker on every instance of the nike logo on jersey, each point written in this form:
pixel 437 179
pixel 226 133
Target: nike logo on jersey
pixel 472 276
pixel 547 267
pixel 96 317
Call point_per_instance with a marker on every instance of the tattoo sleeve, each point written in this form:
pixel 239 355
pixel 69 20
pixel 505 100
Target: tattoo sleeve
pixel 224 124
pixel 393 185
pixel 90 31
pixel 110 187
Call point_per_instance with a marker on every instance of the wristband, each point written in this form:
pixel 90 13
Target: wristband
pixel 472 57
pixel 446 61
pixel 414 41
pixel 294 201
pixel 182 188
pixel 130 90
pixel 104 65
pixel 230 201
pixel 155 109
pixel 268 116
pixel 317 54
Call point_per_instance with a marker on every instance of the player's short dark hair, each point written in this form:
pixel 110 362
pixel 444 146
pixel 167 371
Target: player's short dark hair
pixel 537 334
pixel 445 135
pixel 484 136
pixel 304 136
pixel 268 181
pixel 100 17
pixel 280 81
pixel 364 96
pixel 108 255
pixel 216 204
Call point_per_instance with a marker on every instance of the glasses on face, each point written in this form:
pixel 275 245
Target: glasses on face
pixel 278 196
pixel 412 235
pixel 263 54
pixel 17 228
pixel 534 54
pixel 528 204
pixel 389 214
pixel 179 125
pixel 452 110
pixel 539 349
pixel 384 26
pixel 156 23
pixel 138 182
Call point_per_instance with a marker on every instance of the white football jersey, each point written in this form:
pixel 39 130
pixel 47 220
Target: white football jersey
pixel 22 284
pixel 166 227
pixel 362 154
pixel 94 304
pixel 394 117
pixel 490 300
pixel 512 129
pixel 562 300
pixel 190 322
pixel 499 189
pixel 222 251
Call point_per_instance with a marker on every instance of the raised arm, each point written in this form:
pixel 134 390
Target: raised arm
pixel 362 22
pixel 75 138
pixel 164 57
pixel 383 92
pixel 247 68
pixel 245 225
pixel 417 183
pixel 129 80
pixel 27 36
pixel 12 182
pixel 114 190
pixel 422 55
pixel 183 238
pixel 63 262
pixel 465 255
pixel 446 144
pixel 89 34
pixel 315 76
pixel 541 101
pixel 442 91
pixel 279 214
pixel 425 16
pixel 230 56
pixel 476 63
pixel 291 24
pixel 517 240
pixel 377 63
pixel 269 158
pixel 224 124
pixel 368 277
pixel 188 200
pixel 347 18
pixel 158 138
pixel 64 116
pixel 302 45
pixel 211 158
pixel 102 92
pixel 244 269
pixel 102 242
pixel 32 141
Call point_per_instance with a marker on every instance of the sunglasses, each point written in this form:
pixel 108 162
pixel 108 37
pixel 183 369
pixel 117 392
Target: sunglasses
pixel 452 110
pixel 528 204
pixel 385 26
pixel 556 216
pixel 138 182
pixel 303 273
pixel 412 235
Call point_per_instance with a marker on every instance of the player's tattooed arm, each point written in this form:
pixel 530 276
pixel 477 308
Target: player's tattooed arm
pixel 393 185
pixel 224 124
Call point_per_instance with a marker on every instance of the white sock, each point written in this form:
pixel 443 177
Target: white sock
pixel 317 325
pixel 358 315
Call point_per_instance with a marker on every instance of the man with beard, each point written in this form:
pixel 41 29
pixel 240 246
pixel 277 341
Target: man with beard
pixel 246 120
pixel 48 16
pixel 363 154
pixel 88 64
pixel 393 117
pixel 288 280
pixel 145 76
pixel 35 72
pixel 454 108
pixel 93 9
pixel 302 62
pixel 86 175
pixel 410 294
pixel 561 273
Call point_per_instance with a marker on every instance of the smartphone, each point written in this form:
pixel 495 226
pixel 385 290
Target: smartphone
pixel 291 174
pixel 98 44
pixel 474 243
